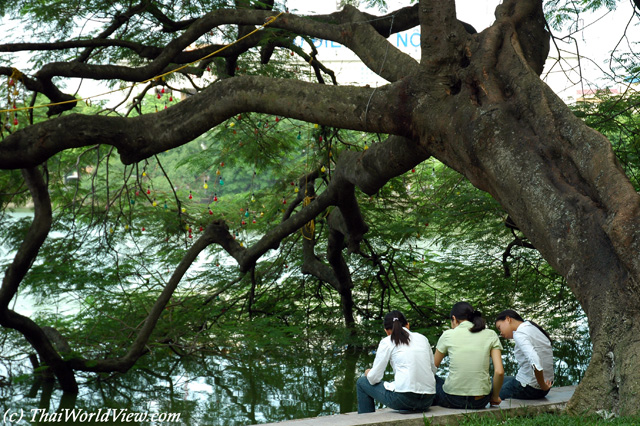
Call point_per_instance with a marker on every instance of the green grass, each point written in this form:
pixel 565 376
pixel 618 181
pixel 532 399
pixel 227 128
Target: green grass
pixel 547 419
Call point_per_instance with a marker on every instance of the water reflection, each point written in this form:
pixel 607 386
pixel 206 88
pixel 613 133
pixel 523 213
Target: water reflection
pixel 239 383
pixel 241 387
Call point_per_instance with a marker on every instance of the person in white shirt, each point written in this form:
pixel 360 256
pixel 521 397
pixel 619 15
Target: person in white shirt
pixel 409 353
pixel 534 355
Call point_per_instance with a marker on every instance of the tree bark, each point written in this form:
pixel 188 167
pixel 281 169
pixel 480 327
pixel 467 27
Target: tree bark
pixel 559 180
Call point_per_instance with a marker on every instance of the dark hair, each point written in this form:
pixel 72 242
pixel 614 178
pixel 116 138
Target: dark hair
pixel 513 314
pixel 395 322
pixel 464 311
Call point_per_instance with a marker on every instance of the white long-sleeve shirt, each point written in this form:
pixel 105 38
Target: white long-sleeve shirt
pixel 412 365
pixel 532 350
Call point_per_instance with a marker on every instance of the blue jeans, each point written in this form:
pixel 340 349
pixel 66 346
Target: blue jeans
pixel 409 401
pixel 444 399
pixel 511 388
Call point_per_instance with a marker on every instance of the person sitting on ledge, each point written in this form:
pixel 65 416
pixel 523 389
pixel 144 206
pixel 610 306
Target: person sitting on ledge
pixel 469 345
pixel 534 355
pixel 409 353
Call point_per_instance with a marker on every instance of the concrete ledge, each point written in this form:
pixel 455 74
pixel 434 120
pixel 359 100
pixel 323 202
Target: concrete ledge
pixel 556 400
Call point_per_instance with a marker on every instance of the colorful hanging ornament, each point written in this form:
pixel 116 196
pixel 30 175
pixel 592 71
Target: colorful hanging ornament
pixel 144 174
pixel 243 222
pixel 246 214
pixel 190 196
pixel 165 205
pixel 148 191
pixel 215 197
pixel 296 190
pixel 221 181
pixel 323 169
pixel 284 200
pixel 144 229
pixel 206 185
pixel 253 198
pixel 277 118
pixel 254 220
pixel 184 210
pixel 210 211
pixel 413 170
pixel 155 203
pixel 299 135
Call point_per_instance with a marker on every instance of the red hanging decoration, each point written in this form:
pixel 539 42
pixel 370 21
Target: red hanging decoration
pixel 159 95
pixel 215 197
pixel 413 170
pixel 148 191
pixel 143 229
pixel 201 228
pixel 277 119
pixel 162 91
pixel 190 196
pixel 244 223
pixel 210 211
pixel 284 200
pixel 137 193
pixel 171 98
pixel 15 121
pixel 320 139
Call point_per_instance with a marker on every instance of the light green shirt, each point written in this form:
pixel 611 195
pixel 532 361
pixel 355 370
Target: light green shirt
pixel 469 355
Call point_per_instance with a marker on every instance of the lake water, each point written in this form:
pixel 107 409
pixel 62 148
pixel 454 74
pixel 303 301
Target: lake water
pixel 236 379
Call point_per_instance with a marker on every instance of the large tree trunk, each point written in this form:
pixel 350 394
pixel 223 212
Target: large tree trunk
pixel 502 127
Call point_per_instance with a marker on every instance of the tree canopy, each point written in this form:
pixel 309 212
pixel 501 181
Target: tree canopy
pixel 235 177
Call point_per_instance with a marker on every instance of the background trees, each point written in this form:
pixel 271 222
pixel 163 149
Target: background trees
pixel 262 194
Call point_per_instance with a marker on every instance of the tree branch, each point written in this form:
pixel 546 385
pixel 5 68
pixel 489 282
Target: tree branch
pixel 141 137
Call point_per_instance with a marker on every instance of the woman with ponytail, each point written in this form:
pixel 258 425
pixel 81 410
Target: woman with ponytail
pixel 410 356
pixel 470 346
pixel 534 355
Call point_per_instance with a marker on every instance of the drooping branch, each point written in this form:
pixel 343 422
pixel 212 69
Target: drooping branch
pixel 34 239
pixel 24 258
pixel 141 137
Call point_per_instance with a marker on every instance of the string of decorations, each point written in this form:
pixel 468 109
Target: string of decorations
pixel 159 77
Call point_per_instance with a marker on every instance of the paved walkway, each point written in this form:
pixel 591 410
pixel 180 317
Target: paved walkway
pixel 555 400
